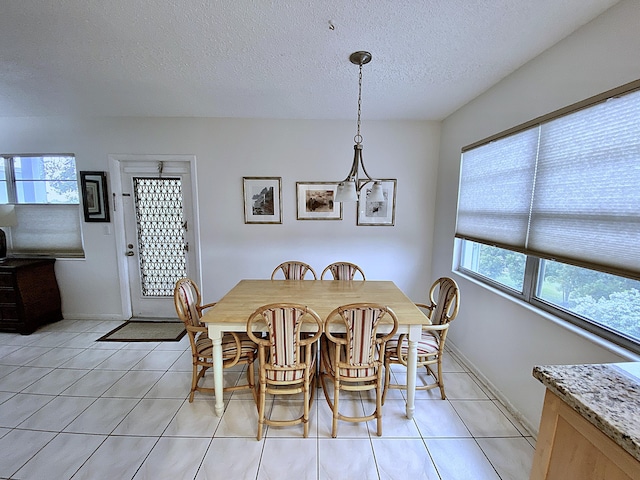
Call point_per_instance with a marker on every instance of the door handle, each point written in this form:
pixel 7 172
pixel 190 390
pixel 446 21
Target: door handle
pixel 129 253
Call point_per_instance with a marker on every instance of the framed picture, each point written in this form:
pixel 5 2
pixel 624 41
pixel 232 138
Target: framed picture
pixel 95 199
pixel 315 201
pixel 378 213
pixel 262 199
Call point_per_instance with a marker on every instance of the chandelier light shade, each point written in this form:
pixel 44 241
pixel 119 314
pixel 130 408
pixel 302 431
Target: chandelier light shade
pixel 350 188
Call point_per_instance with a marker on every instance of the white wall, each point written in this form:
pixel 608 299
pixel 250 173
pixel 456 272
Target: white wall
pixel 225 151
pixel 500 337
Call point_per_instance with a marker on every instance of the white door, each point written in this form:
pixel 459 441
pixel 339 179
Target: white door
pixel 159 234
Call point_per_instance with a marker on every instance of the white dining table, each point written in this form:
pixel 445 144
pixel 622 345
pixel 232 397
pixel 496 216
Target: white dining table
pixel 231 312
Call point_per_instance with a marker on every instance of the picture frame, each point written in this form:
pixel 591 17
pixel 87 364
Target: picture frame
pixel 95 198
pixel 262 199
pixel 315 201
pixel 377 213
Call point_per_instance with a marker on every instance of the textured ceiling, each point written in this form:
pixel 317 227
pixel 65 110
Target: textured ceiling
pixel 269 59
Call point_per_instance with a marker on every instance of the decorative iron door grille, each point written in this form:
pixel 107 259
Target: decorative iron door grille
pixel 162 248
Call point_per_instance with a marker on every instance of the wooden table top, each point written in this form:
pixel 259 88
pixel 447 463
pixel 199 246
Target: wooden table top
pixel 320 295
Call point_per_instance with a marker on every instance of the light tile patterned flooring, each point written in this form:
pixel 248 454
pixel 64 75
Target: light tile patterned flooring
pixel 71 407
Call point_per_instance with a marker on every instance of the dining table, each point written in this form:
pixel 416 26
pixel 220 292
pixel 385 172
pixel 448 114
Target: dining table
pixel 231 312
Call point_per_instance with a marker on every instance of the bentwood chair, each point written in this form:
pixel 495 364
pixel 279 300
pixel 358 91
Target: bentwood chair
pixel 237 348
pixel 353 358
pixel 287 357
pixel 444 297
pixel 294 270
pixel 343 271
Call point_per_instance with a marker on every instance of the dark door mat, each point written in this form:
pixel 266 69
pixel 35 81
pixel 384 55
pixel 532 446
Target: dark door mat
pixel 145 331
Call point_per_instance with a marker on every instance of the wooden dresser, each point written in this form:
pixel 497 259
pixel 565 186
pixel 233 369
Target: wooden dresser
pixel 29 294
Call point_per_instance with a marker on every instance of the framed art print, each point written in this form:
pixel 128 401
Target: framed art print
pixel 378 213
pixel 95 200
pixel 262 199
pixel 316 201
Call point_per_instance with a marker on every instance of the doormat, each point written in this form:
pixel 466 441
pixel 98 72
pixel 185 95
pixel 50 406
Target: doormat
pixel 145 331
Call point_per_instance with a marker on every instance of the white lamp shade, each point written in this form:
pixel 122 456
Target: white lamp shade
pixel 376 195
pixel 346 192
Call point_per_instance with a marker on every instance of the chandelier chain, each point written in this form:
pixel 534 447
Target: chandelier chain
pixel 358 137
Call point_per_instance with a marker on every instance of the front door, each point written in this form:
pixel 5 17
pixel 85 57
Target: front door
pixel 159 233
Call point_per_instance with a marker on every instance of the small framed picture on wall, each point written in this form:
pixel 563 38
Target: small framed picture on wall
pixel 316 201
pixel 262 199
pixel 378 213
pixel 95 200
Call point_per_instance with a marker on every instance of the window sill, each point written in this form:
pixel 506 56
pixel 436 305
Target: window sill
pixel 601 342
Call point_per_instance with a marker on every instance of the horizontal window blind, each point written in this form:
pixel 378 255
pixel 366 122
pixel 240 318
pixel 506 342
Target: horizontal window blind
pixel 579 185
pixel 51 229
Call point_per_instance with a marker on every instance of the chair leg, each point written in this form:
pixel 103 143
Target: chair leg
pixel 379 405
pixel 387 377
pixel 336 397
pixel 305 415
pixel 261 407
pixel 194 380
pixel 440 381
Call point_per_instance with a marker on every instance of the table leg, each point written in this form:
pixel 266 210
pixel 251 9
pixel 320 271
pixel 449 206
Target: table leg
pixel 412 360
pixel 218 385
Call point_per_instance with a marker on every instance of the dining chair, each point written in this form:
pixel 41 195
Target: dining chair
pixel 294 270
pixel 237 348
pixel 352 354
pixel 444 297
pixel 286 357
pixel 343 271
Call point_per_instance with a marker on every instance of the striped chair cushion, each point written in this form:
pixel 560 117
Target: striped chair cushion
pixel 284 325
pixel 445 297
pixel 188 299
pixel 341 271
pixel 294 271
pixel 327 352
pixel 362 324
pixel 204 346
pixel 292 374
pixel 428 344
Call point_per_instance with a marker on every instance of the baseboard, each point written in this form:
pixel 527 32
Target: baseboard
pixel 100 317
pixel 531 429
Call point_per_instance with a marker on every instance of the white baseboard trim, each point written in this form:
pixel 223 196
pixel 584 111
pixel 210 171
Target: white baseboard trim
pixel 531 429
pixel 100 317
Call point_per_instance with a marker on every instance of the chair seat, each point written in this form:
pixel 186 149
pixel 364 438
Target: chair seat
pixel 329 363
pixel 428 344
pixel 293 374
pixel 204 346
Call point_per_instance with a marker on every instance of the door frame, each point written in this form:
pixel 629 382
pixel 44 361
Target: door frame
pixel 115 164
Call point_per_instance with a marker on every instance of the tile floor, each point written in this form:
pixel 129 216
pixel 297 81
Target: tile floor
pixel 71 407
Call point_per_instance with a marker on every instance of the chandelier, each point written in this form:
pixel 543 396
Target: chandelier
pixel 350 188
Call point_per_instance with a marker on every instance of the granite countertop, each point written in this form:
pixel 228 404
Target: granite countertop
pixel 607 395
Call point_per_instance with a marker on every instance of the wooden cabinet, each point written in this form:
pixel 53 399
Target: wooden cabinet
pixel 571 448
pixel 29 294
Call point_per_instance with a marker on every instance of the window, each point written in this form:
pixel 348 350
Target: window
pixel 548 212
pixel 44 189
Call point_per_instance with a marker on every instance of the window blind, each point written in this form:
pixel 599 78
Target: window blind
pixel 579 185
pixel 51 229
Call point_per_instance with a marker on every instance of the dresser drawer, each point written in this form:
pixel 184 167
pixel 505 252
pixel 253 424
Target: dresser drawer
pixel 7 279
pixel 8 296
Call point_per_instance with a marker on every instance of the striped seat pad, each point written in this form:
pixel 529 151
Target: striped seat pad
pixel 293 374
pixel 204 346
pixel 359 372
pixel 428 344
